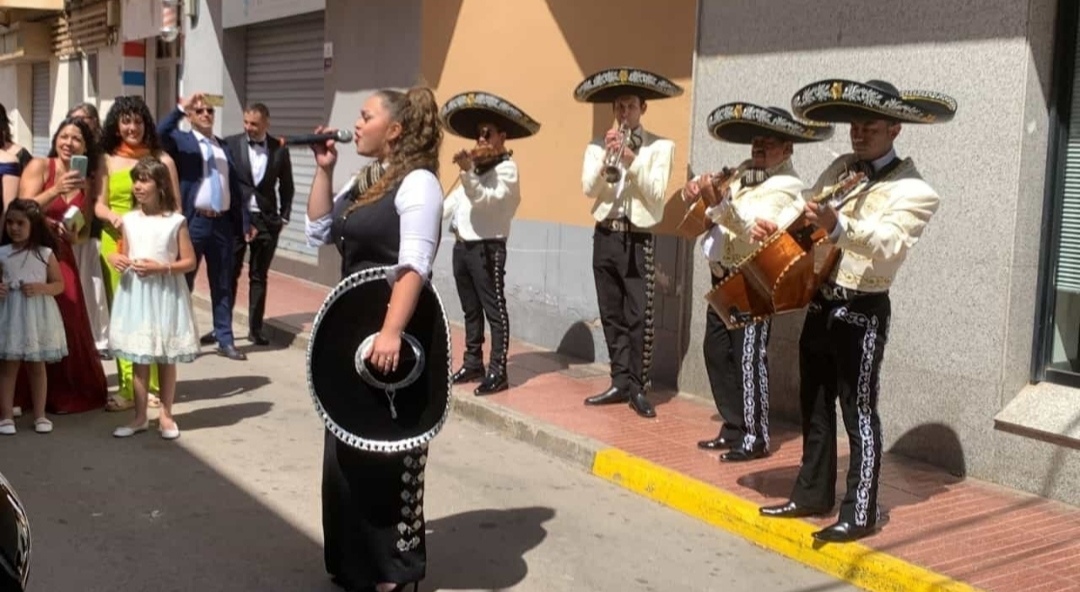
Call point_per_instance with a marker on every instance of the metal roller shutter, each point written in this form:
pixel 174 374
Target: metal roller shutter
pixel 41 109
pixel 285 72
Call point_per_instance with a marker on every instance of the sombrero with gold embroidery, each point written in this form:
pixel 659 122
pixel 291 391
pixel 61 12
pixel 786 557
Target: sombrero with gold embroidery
pixel 740 122
pixel 607 85
pixel 842 101
pixel 464 112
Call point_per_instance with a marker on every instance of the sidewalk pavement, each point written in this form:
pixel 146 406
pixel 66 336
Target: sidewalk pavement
pixel 944 532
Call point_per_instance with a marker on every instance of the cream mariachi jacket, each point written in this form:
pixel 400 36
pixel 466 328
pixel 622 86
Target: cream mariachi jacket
pixel 483 206
pixel 640 195
pixel 777 199
pixel 877 227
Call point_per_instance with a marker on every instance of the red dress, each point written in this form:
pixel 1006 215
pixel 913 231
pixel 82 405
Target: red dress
pixel 77 382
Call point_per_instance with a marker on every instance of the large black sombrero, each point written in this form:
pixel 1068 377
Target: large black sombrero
pixel 739 122
pixel 361 406
pixel 14 540
pixel 842 101
pixel 463 112
pixel 607 85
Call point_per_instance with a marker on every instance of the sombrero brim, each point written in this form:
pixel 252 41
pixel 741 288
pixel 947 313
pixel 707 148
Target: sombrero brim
pixel 739 123
pixel 607 85
pixel 842 101
pixel 463 113
pixel 358 413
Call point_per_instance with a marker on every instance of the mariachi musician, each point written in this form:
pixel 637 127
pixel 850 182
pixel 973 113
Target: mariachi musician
pixel 847 323
pixel 626 173
pixel 761 192
pixel 480 211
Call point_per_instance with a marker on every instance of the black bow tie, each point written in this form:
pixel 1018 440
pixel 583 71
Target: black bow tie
pixel 257 143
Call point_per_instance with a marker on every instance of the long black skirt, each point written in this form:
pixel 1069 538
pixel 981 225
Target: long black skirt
pixel 373 522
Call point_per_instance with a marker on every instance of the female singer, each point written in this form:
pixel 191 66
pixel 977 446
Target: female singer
pixel 393 222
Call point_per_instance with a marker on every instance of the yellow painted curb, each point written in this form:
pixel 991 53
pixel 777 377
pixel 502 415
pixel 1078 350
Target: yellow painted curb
pixel 854 563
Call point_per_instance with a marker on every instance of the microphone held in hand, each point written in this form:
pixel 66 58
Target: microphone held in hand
pixel 309 139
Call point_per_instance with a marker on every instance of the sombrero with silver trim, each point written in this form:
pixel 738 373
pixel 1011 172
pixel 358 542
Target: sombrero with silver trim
pixel 842 101
pixel 360 405
pixel 14 540
pixel 607 85
pixel 464 112
pixel 740 122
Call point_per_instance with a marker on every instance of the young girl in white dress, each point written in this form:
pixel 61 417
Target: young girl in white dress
pixel 152 320
pixel 33 332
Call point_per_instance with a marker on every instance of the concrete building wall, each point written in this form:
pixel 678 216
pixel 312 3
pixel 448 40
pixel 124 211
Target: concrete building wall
pixel 960 343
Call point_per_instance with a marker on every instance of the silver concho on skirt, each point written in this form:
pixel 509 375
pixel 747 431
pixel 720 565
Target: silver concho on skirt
pixel 360 405
pixel 14 539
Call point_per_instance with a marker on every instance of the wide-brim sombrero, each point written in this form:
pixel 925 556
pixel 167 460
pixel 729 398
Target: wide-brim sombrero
pixel 464 112
pixel 740 122
pixel 607 85
pixel 842 101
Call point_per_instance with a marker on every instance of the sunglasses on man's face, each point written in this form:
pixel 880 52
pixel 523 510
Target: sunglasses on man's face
pixel 204 110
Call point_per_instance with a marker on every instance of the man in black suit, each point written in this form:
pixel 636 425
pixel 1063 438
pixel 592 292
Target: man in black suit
pixel 207 172
pixel 264 171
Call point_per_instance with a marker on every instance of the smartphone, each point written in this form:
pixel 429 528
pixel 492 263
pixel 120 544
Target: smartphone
pixel 80 163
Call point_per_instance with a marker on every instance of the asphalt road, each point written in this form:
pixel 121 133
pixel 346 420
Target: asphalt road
pixel 234 505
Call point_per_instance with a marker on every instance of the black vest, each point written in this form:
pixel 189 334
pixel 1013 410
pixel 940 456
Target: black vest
pixel 368 236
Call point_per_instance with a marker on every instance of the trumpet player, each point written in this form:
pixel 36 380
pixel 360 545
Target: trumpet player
pixel 746 205
pixel 480 211
pixel 626 173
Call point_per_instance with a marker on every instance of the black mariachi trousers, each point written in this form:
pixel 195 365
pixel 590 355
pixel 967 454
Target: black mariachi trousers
pixel 479 271
pixel 624 275
pixel 737 363
pixel 840 353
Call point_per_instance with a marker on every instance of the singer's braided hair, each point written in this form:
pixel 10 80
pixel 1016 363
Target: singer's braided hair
pixel 418 145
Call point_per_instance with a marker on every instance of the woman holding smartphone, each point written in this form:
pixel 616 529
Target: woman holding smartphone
pixel 63 185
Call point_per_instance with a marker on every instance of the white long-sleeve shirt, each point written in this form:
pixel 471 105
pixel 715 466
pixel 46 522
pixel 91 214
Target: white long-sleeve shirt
pixel 640 194
pixel 419 204
pixel 483 206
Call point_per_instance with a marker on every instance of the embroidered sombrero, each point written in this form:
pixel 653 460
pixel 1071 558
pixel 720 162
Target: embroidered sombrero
pixel 842 101
pixel 463 112
pixel 739 122
pixel 607 85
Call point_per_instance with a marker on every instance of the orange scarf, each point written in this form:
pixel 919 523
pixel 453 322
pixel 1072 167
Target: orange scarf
pixel 126 151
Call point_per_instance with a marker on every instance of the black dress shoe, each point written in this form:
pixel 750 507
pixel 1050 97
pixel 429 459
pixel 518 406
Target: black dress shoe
pixel 258 339
pixel 641 405
pixel 230 351
pixel 208 338
pixel 491 384
pixel 467 375
pixel 717 443
pixel 612 395
pixel 743 454
pixel 791 510
pixel 844 532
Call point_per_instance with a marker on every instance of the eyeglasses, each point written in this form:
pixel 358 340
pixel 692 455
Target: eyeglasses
pixel 203 110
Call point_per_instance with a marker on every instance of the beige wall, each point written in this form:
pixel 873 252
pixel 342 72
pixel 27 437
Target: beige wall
pixel 541 51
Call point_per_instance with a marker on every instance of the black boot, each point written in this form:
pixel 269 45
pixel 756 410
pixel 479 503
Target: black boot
pixel 612 395
pixel 466 374
pixel 494 382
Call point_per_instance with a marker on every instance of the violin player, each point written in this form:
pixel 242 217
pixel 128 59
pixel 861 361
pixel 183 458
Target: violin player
pixel 480 210
pixel 752 200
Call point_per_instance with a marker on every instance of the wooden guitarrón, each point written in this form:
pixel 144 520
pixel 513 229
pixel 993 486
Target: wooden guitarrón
pixel 784 273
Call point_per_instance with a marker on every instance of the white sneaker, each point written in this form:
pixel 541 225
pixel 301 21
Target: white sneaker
pixel 7 427
pixel 43 426
pixel 17 411
pixel 127 432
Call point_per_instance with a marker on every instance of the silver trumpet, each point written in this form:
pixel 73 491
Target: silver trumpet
pixel 613 167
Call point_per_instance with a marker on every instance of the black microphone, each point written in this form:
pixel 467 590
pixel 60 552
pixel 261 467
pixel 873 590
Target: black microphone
pixel 308 139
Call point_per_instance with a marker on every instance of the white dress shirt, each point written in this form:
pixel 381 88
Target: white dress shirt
pixel 258 156
pixel 483 206
pixel 419 204
pixel 202 196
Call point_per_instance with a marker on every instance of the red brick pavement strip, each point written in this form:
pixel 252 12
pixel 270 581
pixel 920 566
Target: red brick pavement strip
pixel 990 537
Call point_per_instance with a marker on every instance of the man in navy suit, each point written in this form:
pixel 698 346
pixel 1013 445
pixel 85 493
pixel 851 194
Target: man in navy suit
pixel 210 200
